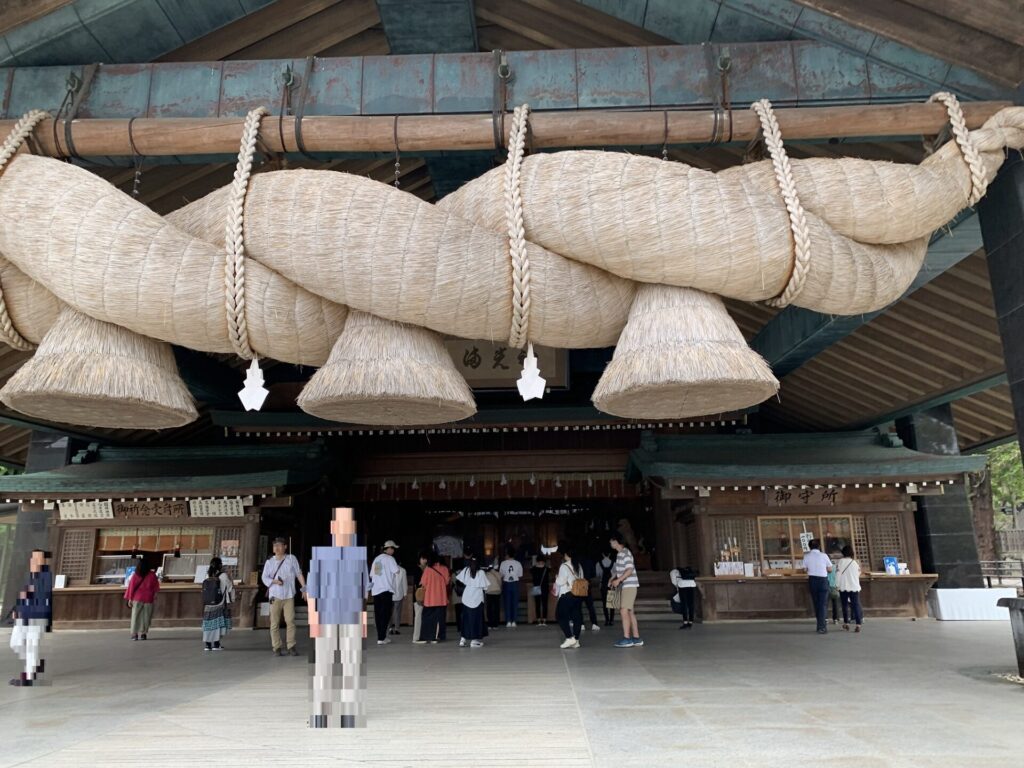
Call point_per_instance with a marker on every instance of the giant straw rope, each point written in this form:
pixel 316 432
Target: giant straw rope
pixel 561 249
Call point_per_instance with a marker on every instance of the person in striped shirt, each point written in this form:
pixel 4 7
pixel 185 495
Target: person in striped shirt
pixel 625 581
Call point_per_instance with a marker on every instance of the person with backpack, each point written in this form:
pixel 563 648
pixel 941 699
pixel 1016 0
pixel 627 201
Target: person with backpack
pixel 141 596
pixel 833 590
pixel 540 583
pixel 218 594
pixel 684 602
pixel 570 589
pixel 474 582
pixel 604 575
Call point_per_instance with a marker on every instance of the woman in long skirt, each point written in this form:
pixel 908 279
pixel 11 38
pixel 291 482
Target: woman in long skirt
pixel 218 594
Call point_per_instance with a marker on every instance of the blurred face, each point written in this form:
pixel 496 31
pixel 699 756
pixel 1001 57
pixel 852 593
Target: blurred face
pixel 280 549
pixel 37 561
pixel 390 551
pixel 614 545
pixel 343 527
pixel 423 562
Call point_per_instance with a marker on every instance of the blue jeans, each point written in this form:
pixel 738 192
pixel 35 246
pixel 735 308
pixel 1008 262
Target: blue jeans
pixel 851 607
pixel 819 596
pixel 510 599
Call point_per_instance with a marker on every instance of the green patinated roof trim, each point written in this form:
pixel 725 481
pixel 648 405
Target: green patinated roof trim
pixel 57 482
pixel 112 472
pixel 789 457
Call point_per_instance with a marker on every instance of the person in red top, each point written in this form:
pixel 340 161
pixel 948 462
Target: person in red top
pixel 141 592
pixel 434 581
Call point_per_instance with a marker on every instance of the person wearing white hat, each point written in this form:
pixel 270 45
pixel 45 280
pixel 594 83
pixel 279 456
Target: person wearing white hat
pixel 383 574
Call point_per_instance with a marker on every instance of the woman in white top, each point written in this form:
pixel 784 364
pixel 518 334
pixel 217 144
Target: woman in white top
pixel 848 584
pixel 684 601
pixel 472 626
pixel 568 610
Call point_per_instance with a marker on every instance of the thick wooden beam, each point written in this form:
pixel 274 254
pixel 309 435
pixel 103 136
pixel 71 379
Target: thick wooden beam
pixel 931 33
pixel 942 398
pixel 154 137
pixel 14 13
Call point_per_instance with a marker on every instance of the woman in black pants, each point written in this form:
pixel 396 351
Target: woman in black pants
pixel 568 609
pixel 684 580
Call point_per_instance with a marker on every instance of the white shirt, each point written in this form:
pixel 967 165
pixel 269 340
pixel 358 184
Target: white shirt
pixel 473 595
pixel 563 582
pixel 511 570
pixel 848 575
pixel 817 563
pixel 401 584
pixel 382 574
pixel 287 569
pixel 679 582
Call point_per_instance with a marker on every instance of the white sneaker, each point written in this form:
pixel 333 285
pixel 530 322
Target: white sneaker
pixel 595 628
pixel 576 644
pixel 462 642
pixel 476 644
pixel 513 625
pixel 508 625
pixel 569 643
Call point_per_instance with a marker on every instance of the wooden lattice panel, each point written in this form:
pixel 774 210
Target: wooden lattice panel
pixel 743 530
pixel 228 534
pixel 886 541
pixel 860 542
pixel 76 550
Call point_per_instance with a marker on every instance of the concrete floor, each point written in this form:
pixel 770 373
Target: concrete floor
pixel 902 693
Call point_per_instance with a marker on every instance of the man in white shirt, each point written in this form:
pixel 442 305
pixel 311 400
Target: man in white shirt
pixel 511 571
pixel 818 565
pixel 383 574
pixel 279 575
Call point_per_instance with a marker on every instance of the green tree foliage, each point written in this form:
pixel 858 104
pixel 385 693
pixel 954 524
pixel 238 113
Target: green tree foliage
pixel 1004 463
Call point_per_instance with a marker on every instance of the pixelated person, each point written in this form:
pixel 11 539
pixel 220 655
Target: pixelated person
pixel 33 615
pixel 337 587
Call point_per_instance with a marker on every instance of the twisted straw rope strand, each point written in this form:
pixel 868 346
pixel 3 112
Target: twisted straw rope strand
pixel 968 149
pixel 787 186
pixel 22 130
pixel 234 264
pixel 521 300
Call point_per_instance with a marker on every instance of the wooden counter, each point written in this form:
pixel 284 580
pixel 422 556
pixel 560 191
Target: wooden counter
pixel 787 597
pixel 177 605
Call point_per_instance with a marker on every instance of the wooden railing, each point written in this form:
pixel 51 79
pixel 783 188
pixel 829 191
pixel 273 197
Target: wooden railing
pixel 1003 572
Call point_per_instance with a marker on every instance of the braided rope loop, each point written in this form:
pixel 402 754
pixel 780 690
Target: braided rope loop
pixel 797 217
pixel 21 131
pixel 968 149
pixel 516 229
pixel 234 264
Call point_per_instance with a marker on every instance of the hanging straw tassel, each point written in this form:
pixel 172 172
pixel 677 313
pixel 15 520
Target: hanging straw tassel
pixel 100 375
pixel 681 355
pixel 382 372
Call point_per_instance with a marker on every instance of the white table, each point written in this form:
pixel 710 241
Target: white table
pixel 969 604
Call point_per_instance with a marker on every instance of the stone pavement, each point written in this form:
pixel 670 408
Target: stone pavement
pixel 901 694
